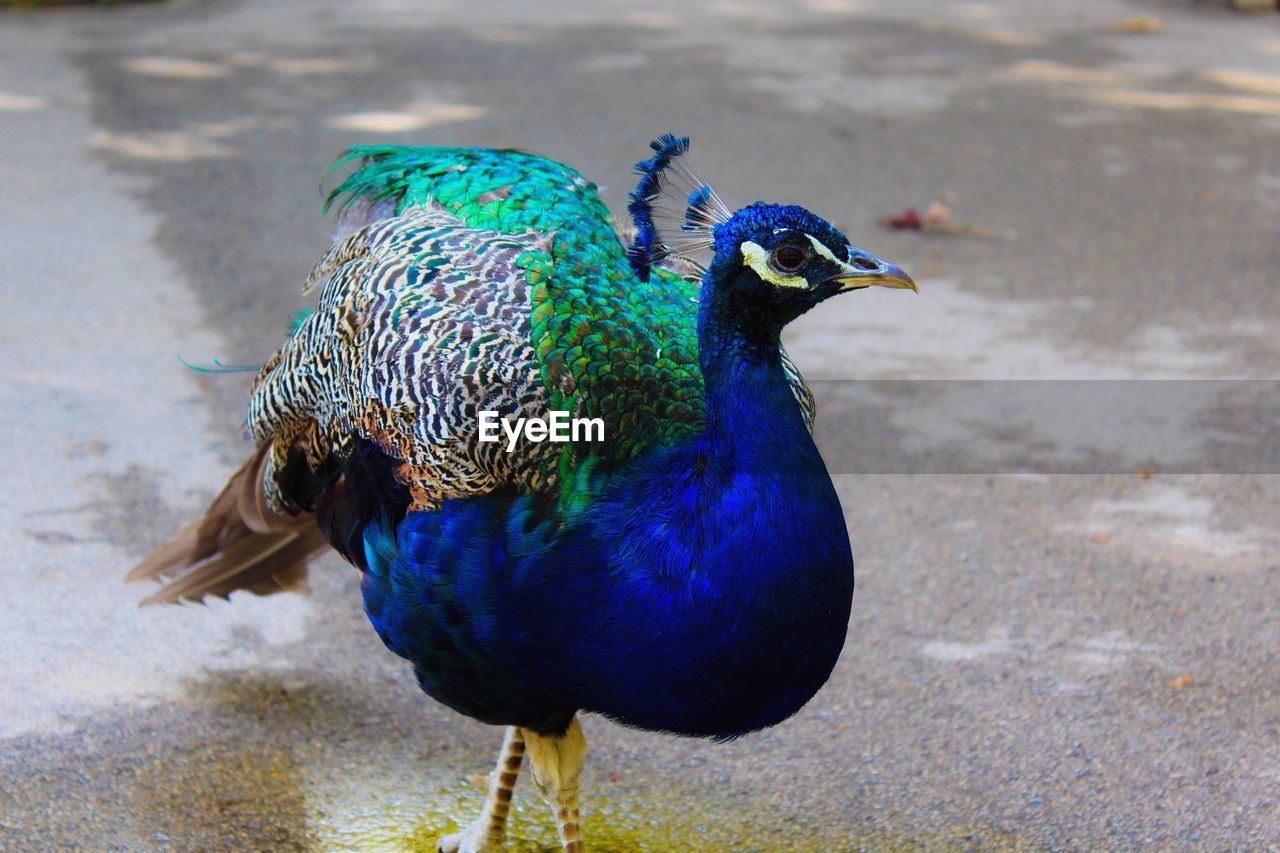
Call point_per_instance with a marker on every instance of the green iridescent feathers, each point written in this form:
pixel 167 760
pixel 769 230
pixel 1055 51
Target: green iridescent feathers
pixel 610 346
pixel 473 279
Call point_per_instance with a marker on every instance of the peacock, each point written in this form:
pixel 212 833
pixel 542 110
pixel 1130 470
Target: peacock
pixel 684 569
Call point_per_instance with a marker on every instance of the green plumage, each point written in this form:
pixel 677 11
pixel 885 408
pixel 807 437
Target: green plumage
pixel 627 347
pixel 473 280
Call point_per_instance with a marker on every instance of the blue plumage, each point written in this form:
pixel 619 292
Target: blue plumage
pixel 705 589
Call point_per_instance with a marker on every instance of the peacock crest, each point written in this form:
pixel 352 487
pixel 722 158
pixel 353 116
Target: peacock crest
pixel 671 193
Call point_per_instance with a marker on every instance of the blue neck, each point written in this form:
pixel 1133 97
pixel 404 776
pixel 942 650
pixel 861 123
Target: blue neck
pixel 752 420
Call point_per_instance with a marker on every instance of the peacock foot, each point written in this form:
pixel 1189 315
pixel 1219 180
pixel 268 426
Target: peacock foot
pixel 477 837
pixel 488 832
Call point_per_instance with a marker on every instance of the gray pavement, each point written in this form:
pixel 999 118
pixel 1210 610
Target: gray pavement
pixel 1035 660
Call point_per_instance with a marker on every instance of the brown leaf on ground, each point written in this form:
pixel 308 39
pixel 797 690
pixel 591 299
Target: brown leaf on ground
pixel 907 220
pixel 939 220
pixel 1180 682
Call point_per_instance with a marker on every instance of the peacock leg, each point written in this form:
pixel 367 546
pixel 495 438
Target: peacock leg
pixel 488 832
pixel 556 761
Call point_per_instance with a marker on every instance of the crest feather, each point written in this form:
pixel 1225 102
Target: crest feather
pixel 702 208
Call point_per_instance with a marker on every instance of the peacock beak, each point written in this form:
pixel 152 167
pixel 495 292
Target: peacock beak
pixel 865 270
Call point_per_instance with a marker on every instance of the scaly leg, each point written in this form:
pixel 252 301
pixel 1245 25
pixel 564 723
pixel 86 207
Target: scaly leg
pixel 556 763
pixel 488 832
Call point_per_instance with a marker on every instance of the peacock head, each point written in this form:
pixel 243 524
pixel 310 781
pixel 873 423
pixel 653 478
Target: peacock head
pixel 783 260
pixel 771 262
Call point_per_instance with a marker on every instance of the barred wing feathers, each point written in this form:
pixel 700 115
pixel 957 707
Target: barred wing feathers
pixel 422 324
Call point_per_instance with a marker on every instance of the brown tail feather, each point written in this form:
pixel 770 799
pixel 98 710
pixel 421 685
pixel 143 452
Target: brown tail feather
pixel 239 544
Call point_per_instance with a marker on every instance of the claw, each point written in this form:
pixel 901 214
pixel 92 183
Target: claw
pixel 487 833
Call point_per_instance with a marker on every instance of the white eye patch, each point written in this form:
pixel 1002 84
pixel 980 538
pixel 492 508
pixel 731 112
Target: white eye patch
pixel 754 256
pixel 822 250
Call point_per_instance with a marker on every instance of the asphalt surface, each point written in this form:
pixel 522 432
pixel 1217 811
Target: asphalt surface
pixel 1036 659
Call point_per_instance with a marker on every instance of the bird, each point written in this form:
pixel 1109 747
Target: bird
pixel 680 564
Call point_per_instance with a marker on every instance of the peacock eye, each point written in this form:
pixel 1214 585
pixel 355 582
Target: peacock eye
pixel 787 258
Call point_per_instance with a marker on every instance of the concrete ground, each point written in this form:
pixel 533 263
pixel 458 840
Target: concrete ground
pixel 1036 659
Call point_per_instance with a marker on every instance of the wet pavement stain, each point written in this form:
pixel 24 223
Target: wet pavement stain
pixel 674 820
pixel 618 829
